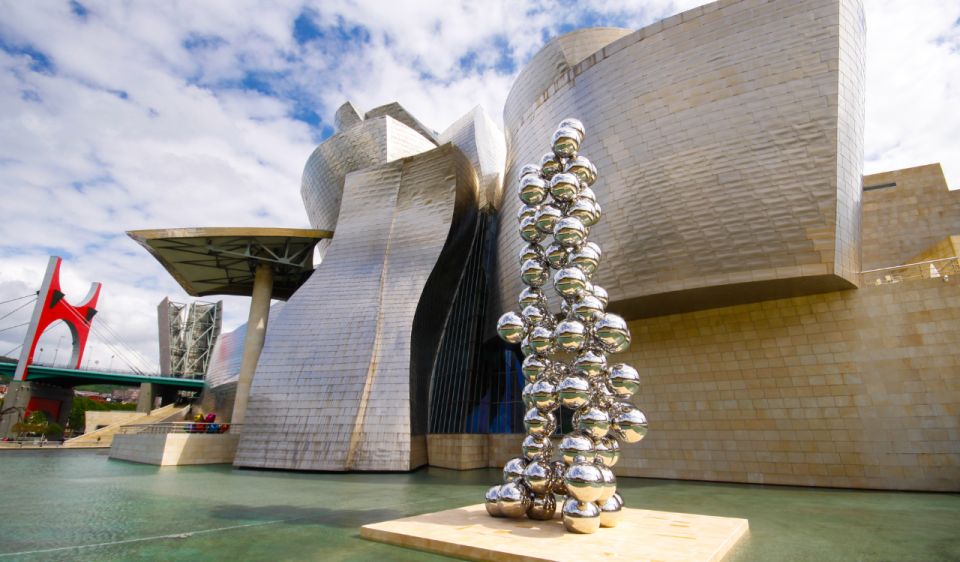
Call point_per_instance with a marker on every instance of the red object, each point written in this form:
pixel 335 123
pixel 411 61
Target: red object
pixel 45 405
pixel 77 318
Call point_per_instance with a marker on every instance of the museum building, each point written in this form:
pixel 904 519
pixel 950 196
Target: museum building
pixel 793 321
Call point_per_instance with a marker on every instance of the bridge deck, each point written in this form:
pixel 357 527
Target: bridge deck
pixel 73 377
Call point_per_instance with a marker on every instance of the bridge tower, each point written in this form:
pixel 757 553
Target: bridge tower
pixel 30 396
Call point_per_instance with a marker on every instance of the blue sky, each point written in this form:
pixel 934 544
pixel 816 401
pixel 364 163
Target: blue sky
pixel 119 115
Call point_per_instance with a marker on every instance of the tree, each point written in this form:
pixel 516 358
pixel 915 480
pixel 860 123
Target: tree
pixel 37 424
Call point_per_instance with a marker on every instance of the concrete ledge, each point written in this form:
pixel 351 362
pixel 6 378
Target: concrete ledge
pixel 175 448
pixel 470 533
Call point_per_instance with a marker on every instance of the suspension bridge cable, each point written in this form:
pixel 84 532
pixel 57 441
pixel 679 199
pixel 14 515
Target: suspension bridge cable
pixel 26 304
pixel 111 340
pixel 23 297
pixel 7 354
pixel 12 327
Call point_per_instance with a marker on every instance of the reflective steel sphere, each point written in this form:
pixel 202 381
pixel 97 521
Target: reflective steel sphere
pixel 564 187
pixel 569 282
pixel 556 255
pixel 511 328
pixel 532 190
pixel 585 210
pixel 534 367
pixel 593 421
pixel 612 333
pixel 513 500
pixel 586 192
pixel 576 125
pixel 601 294
pixel 544 395
pixel 536 446
pixel 534 315
pixel 584 481
pixel 534 273
pixel 580 167
pixel 569 232
pixel 537 476
pixel 527 170
pixel 539 423
pixel 525 348
pixel 531 252
pixel 574 391
pixel 547 217
pixel 490 501
pixel 542 508
pixel 550 165
pixel 541 340
pixel 587 259
pixel 624 380
pixel 530 295
pixel 569 335
pixel 590 364
pixel 588 309
pixel 527 211
pixel 597 213
pixel 611 511
pixel 608 450
pixel 566 142
pixel 631 424
pixel 609 483
pixel 577 444
pixel 527 395
pixel 529 232
pixel 581 517
pixel 557 485
pixel 514 469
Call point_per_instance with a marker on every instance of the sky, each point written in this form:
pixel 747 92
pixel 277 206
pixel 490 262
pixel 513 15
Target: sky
pixel 120 115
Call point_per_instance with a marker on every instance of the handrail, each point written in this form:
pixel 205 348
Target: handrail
pixel 941 268
pixel 906 265
pixel 164 428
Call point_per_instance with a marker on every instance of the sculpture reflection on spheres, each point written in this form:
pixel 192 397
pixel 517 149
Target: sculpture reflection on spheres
pixel 565 360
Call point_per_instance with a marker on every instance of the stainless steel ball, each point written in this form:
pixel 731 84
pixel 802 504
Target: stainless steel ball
pixel 530 252
pixel 609 483
pixel 542 507
pixel 547 217
pixel 631 424
pixel 535 315
pixel 576 125
pixel 593 421
pixel 536 446
pixel 513 499
pixel 532 190
pixel 544 395
pixel 564 187
pixel 566 142
pixel 580 167
pixel 624 380
pixel 526 395
pixel 525 348
pixel 490 501
pixel 585 210
pixel 601 294
pixel 557 486
pixel 534 367
pixel 611 512
pixel 539 423
pixel 556 255
pixel 581 517
pixel 513 470
pixel 608 450
pixel 577 444
pixel 527 170
pixel 590 364
pixel 527 211
pixel 537 476
pixel 541 340
pixel 550 165
pixel 612 333
pixel 569 232
pixel 529 232
pixel 569 282
pixel 530 295
pixel 574 391
pixel 588 193
pixel 511 328
pixel 569 335
pixel 534 273
pixel 588 309
pixel 584 481
pixel 587 259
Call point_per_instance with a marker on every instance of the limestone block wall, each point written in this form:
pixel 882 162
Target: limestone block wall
pixel 333 385
pixel 903 220
pixel 175 449
pixel 727 140
pixel 93 420
pixel 850 389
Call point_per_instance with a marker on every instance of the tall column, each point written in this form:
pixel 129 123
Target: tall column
pixel 253 342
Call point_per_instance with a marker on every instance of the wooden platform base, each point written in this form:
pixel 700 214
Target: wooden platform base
pixel 470 533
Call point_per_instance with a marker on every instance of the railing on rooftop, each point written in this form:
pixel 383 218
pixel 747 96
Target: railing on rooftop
pixel 179 427
pixel 942 268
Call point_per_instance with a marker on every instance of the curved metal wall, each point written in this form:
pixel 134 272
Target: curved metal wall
pixel 716 137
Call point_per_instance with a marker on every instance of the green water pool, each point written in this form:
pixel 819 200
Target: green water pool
pixel 79 505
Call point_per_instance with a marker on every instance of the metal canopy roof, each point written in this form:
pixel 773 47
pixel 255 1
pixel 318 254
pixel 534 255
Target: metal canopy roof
pixel 222 261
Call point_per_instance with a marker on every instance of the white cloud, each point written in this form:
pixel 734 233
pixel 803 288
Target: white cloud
pixel 164 114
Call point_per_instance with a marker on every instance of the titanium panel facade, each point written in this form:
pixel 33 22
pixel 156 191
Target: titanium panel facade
pixel 729 144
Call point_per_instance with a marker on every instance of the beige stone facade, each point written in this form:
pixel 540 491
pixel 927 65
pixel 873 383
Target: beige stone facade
pixel 173 449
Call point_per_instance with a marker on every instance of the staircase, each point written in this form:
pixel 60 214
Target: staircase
pixel 103 437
